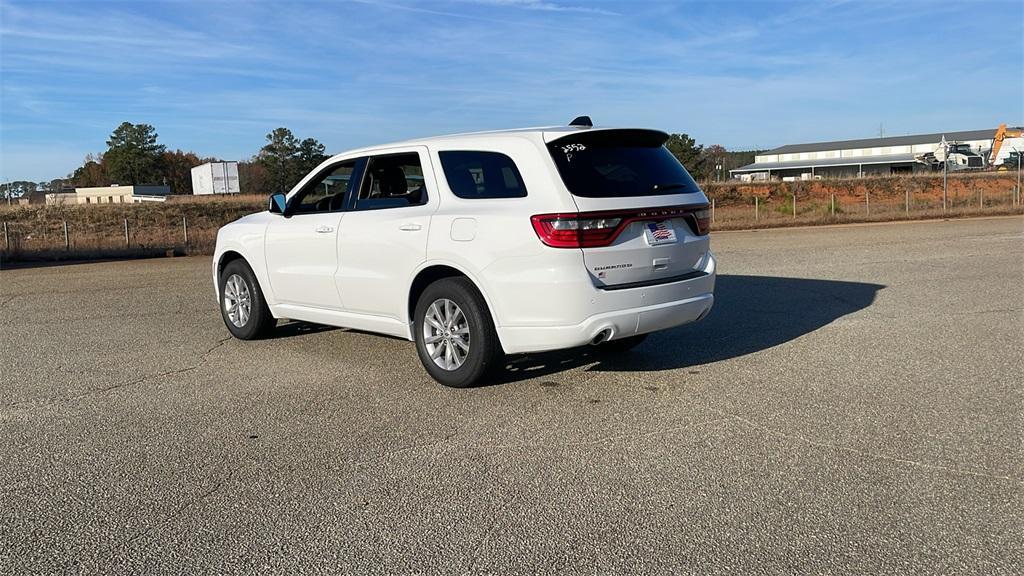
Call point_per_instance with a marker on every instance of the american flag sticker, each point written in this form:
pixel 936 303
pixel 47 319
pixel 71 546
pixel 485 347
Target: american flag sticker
pixel 660 232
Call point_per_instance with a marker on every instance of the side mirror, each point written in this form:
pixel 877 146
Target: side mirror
pixel 278 203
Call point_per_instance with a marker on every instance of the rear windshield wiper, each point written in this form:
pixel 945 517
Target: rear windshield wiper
pixel 663 187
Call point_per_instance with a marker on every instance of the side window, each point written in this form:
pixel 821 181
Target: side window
pixel 326 193
pixel 392 181
pixel 482 175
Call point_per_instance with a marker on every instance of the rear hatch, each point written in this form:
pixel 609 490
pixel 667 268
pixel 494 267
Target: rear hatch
pixel 642 218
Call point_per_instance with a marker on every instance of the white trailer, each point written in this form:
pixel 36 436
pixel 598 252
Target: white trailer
pixel 215 178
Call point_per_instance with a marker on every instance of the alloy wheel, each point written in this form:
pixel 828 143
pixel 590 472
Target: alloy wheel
pixel 446 334
pixel 237 300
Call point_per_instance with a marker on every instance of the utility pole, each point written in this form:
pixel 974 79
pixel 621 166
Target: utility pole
pixel 1019 159
pixel 945 165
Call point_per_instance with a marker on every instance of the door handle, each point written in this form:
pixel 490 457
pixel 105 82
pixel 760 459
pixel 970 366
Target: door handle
pixel 410 227
pixel 323 229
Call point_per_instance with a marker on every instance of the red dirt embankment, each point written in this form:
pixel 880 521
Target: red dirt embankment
pixel 923 188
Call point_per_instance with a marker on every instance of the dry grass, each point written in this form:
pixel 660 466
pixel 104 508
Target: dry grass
pixel 247 199
pixel 37 232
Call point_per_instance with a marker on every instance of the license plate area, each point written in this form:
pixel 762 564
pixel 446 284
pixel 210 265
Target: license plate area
pixel 659 232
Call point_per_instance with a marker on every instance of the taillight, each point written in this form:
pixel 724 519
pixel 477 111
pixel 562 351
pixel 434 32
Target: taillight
pixel 596 229
pixel 702 218
pixel 575 230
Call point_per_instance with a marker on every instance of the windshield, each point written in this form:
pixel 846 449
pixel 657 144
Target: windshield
pixel 617 163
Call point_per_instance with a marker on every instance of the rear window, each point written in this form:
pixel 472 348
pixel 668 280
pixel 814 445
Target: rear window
pixel 482 175
pixel 617 163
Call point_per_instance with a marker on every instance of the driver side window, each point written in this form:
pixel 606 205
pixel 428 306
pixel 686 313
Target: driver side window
pixel 326 193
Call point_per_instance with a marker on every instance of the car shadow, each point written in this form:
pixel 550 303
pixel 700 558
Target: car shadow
pixel 294 328
pixel 751 313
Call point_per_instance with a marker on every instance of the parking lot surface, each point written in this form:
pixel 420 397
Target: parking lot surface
pixel 853 404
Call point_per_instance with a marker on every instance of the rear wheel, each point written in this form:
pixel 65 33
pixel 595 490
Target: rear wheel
pixel 242 305
pixel 455 336
pixel 621 345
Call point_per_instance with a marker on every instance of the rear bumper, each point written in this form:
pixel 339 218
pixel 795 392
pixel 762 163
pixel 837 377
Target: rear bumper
pixel 674 304
pixel 621 324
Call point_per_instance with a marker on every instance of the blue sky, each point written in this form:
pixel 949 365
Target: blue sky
pixel 214 77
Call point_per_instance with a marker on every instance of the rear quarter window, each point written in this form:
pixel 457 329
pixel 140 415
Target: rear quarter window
pixel 619 163
pixel 479 175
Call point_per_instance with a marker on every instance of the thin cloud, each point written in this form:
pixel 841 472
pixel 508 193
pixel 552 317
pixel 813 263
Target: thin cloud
pixel 546 6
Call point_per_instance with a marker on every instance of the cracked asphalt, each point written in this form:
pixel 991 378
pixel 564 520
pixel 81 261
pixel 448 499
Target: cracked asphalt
pixel 852 405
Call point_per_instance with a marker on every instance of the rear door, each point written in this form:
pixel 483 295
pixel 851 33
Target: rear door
pixel 631 176
pixel 383 238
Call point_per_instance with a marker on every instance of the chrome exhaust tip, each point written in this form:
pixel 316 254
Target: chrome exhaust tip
pixel 602 336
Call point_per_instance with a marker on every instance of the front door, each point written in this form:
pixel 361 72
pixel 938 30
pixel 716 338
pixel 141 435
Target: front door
pixel 302 245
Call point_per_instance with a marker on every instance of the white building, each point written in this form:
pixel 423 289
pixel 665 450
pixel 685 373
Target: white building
pixel 215 178
pixel 120 194
pixel 872 156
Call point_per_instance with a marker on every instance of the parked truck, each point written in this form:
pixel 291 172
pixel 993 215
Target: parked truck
pixel 956 156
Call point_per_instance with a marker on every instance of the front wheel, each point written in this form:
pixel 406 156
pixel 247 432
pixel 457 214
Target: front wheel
pixel 455 336
pixel 242 305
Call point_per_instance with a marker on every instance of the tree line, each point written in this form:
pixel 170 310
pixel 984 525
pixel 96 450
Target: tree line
pixel 707 164
pixel 135 156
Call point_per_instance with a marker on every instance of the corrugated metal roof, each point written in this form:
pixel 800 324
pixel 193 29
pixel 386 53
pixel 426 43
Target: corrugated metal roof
pixel 880 142
pixel 885 159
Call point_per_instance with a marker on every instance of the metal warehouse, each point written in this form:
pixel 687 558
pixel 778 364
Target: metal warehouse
pixel 874 156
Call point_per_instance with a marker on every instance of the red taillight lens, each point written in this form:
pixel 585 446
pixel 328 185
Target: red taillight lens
pixel 575 230
pixel 703 219
pixel 596 229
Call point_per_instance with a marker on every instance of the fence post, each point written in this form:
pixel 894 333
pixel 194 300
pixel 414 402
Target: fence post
pixel 981 199
pixel 833 204
pixel 794 206
pixel 867 204
pixel 755 208
pixel 67 240
pixel 908 200
pixel 712 210
pixel 127 242
pixel 184 227
pixel 7 239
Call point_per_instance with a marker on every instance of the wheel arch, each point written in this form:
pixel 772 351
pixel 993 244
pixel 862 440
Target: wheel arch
pixel 232 254
pixel 434 271
pixel 227 257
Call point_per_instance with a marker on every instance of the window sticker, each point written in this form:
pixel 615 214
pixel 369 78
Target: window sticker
pixel 568 149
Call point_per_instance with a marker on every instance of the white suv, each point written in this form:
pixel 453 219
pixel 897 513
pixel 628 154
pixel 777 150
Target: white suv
pixel 479 245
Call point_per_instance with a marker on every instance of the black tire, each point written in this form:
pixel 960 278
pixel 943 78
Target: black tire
pixel 259 322
pixel 621 345
pixel 484 350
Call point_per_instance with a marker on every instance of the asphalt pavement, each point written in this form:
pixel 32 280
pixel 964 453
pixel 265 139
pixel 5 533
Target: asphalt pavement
pixel 853 405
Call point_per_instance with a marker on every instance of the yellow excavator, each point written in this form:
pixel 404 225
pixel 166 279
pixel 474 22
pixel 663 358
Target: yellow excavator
pixel 1002 133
